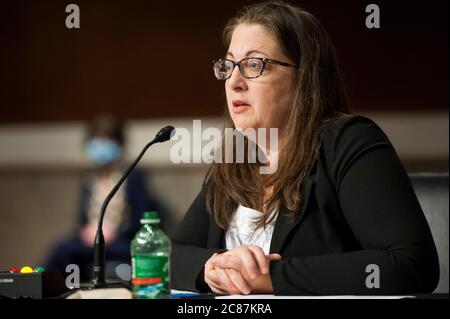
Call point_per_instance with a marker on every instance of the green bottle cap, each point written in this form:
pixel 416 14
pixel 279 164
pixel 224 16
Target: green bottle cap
pixel 150 218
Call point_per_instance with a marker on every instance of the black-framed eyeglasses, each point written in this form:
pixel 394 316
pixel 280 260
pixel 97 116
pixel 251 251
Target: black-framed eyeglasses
pixel 249 68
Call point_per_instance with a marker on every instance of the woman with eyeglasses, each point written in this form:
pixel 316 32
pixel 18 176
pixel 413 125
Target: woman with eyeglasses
pixel 338 216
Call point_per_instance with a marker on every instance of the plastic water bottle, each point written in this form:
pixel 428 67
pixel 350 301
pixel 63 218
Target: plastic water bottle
pixel 150 251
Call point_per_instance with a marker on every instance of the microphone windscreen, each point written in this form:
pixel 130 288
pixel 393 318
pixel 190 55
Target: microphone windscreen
pixel 165 134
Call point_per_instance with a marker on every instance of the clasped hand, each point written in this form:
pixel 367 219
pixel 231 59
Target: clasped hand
pixel 241 270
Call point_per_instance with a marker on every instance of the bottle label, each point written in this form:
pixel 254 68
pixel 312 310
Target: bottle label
pixel 150 270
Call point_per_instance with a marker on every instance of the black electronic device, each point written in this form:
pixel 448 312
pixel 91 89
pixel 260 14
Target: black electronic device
pixel 34 285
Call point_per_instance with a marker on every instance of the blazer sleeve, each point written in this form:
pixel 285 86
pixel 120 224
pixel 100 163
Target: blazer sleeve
pixel 382 210
pixel 189 247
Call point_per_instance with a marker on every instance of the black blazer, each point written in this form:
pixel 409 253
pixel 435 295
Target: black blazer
pixel 359 209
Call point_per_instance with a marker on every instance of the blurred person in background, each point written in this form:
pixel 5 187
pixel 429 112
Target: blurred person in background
pixel 104 146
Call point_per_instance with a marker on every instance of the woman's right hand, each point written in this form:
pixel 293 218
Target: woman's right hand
pixel 233 272
pixel 220 282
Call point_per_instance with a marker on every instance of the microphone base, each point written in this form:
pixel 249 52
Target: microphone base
pixel 107 290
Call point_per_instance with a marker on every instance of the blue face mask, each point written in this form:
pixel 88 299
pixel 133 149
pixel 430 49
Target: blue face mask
pixel 103 151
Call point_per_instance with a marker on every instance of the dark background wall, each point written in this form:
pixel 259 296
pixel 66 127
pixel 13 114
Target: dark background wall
pixel 147 59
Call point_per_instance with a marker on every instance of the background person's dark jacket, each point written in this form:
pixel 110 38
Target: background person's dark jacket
pixel 359 209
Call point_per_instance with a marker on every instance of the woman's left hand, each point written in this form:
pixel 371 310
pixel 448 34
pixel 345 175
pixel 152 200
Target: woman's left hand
pixel 246 259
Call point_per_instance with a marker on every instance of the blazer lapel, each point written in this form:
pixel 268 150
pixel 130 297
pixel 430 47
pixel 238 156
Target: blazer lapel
pixel 282 227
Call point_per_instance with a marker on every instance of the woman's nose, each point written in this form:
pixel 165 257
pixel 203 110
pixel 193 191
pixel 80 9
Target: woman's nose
pixel 237 81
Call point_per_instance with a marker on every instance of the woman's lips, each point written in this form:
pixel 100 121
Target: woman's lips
pixel 239 106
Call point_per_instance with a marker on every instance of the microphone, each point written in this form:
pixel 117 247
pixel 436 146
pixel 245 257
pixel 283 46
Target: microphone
pixel 99 244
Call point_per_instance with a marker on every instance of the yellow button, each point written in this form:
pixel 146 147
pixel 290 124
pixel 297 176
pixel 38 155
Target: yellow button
pixel 26 269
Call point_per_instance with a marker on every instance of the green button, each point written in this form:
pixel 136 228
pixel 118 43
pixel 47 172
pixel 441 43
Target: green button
pixel 39 269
